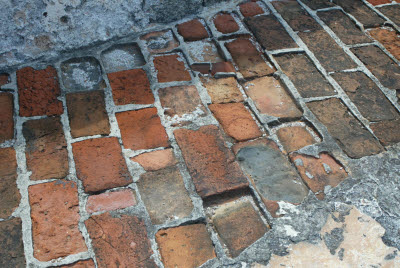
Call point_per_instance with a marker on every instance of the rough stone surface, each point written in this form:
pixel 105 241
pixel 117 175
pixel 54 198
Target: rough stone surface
pixel 9 194
pixel 6 117
pixel 388 132
pixel 294 138
pixel 171 68
pixel 250 9
pixel 160 42
pixel 225 23
pixel 222 90
pixel 389 38
pixel 361 12
pixel 12 248
pixel 110 201
pixel 122 57
pixel 392 12
pixel 156 160
pixel 192 30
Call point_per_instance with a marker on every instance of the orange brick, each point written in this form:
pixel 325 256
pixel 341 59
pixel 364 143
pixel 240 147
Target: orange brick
pixel 250 9
pixel 110 201
pixel 294 138
pixel 80 264
pixel 192 30
pixel 222 90
pixel 171 68
pixel 156 160
pixel 225 23
pixel 389 38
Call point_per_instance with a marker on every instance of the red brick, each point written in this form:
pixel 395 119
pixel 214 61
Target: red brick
pixel 380 2
pixel 192 30
pixel 294 138
pixel 142 129
pixel 131 87
pixel 204 150
pixel 160 42
pixel 388 132
pixel 203 68
pixel 171 68
pixel 9 194
pixel 80 264
pixel 185 246
pixel 46 149
pixel 55 218
pixel 222 67
pixel 12 248
pixel 4 79
pixel 38 92
pixel 389 38
pixel 250 9
pixel 361 12
pixel 87 114
pixel 100 164
pixel 225 23
pixel 319 172
pixel 6 117
pixel 222 90
pixel 392 12
pixel 156 160
pixel 248 58
pixel 120 241
pixel 110 201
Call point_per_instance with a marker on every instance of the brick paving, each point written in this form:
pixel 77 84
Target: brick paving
pixel 181 146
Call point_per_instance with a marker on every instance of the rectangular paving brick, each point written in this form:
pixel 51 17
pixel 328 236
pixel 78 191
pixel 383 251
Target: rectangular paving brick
pixel 171 68
pixel 55 218
pixel 361 12
pixel 9 193
pixel 156 160
pixel 46 148
pixel 12 248
pixel 389 38
pixel 344 27
pixel 350 135
pixel 317 4
pixel 87 114
pixel 225 23
pixel 383 67
pixel 111 201
pixel 6 117
pixel 305 77
pixel 192 30
pixel 250 9
pixel 388 132
pixel 222 90
pixel 210 162
pixel 100 164
pixel 80 264
pixel 142 129
pixel 160 42
pixel 294 138
pixel 120 241
pixel 392 12
pixel 270 33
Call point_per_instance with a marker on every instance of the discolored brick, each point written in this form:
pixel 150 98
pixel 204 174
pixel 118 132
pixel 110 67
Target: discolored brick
pixel 87 114
pixel 317 4
pixel 203 68
pixel 160 42
pixel 6 117
pixel 38 91
pixel 156 160
pixel 80 264
pixel 361 12
pixel 348 132
pixel 305 77
pixel 294 138
pixel 110 201
pixel 203 51
pixel 121 57
pixel 120 241
pixel 222 67
pixel 239 225
pixel 204 150
pixel 171 68
pixel 100 164
pixel 388 132
pixel 46 149
pixel 55 218
pixel 9 193
pixel 192 30
pixel 392 12
pixel 225 23
pixel 250 9
pixel 389 38
pixel 142 129
pixel 4 79
pixel 185 246
pixel 12 248
pixel 222 90
pixel 248 58
pixel 270 33
pixel 379 2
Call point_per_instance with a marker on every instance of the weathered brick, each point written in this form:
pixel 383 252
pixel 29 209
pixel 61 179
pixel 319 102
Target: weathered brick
pixel 120 241
pixel 121 57
pixel 100 164
pixel 236 121
pixel 365 94
pixel 165 195
pixel 131 87
pixel 6 117
pixel 192 30
pixel 250 9
pixel 383 67
pixel 38 92
pixel 318 173
pixel 203 51
pixel 222 67
pixel 87 114
pixel 203 68
pixel 379 2
pixel 156 160
pixel 4 79
pixel 204 150
pixel 9 194
pixel 80 264
pixel 388 132
pixel 225 23
pixel 185 246
pixel 350 135
pixel 270 33
pixel 392 12
pixel 343 27
pixel 12 248
pixel 239 225
pixel 317 4
pixel 389 38
pixel 305 77
pixel 110 201
pixel 248 58
pixel 55 217
pixel 294 138
pixel 222 90
pixel 160 42
pixel 46 149
pixel 271 98
pixel 171 68
pixel 142 129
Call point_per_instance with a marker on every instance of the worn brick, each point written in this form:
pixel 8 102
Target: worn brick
pixel 380 64
pixel 121 57
pixel 38 92
pixel 131 87
pixel 46 149
pixel 203 68
pixel 389 38
pixel 55 218
pixel 142 129
pixel 318 173
pixel 343 27
pixel 160 42
pixel 236 121
pixel 110 201
pixel 192 30
pixel 392 12
pixel 294 138
pixel 226 23
pixel 156 160
pixel 203 51
pixel 12 248
pixel 348 132
pixel 222 67
pixel 87 114
pixel 388 132
pixel 185 246
pixel 100 164
pixel 305 77
pixel 120 241
pixel 9 194
pixel 379 2
pixel 6 117
pixel 80 264
pixel 238 225
pixel 171 68
pixel 248 58
pixel 270 33
pixel 4 79
pixel 250 9
pixel 271 98
pixel 165 195
pixel 366 95
pixel 317 4
pixel 204 150
pixel 222 90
